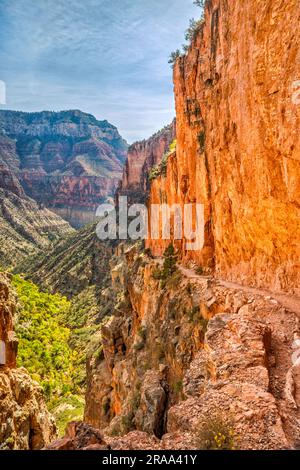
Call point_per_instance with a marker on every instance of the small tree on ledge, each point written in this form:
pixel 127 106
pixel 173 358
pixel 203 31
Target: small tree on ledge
pixel 170 260
pixel 174 56
pixel 199 3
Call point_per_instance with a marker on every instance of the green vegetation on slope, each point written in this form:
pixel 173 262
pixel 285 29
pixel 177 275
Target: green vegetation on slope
pixel 25 228
pixel 71 265
pixel 44 339
pixel 65 410
pixel 45 350
pixel 77 267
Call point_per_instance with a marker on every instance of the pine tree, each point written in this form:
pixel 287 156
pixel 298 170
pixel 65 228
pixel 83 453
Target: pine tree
pixel 199 3
pixel 170 260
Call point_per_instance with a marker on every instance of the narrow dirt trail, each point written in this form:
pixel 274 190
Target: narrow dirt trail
pixel 289 302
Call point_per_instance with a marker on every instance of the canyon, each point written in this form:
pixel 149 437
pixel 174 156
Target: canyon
pixel 213 343
pixel 25 227
pixel 67 161
pixel 196 349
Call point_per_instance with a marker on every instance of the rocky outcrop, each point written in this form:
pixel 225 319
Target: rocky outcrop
pixel 142 156
pixel 193 352
pixel 25 422
pixel 9 163
pixel 81 436
pixel 229 380
pixel 67 161
pixel 9 345
pixel 237 128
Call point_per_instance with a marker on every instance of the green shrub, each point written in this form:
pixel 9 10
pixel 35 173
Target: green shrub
pixel 174 280
pixel 169 271
pixel 66 409
pixel 199 3
pixel 170 260
pixel 178 386
pixel 201 141
pixel 161 168
pixel 174 56
pixel 156 274
pixel 200 270
pixel 154 173
pixel 193 29
pixel 173 146
pixel 216 433
pixel 164 165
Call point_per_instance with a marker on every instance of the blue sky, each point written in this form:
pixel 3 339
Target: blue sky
pixel 105 57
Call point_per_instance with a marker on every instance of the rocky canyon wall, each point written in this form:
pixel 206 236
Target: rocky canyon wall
pixel 141 157
pixel 25 226
pixel 179 357
pixel 238 119
pixel 68 161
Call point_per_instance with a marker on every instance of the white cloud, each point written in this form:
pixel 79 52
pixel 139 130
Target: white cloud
pixel 108 58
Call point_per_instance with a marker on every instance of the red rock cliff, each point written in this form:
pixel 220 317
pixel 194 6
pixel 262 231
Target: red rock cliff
pixel 238 120
pixel 142 156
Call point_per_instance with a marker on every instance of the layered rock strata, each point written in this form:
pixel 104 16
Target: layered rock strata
pixel 141 158
pixel 67 161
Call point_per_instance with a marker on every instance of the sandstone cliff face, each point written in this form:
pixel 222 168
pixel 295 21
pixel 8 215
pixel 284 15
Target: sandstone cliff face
pixel 67 161
pixel 179 355
pixel 142 156
pixel 238 120
pixel 25 421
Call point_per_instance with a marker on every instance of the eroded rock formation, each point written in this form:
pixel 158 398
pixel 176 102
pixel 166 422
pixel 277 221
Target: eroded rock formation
pixel 25 420
pixel 141 157
pixel 25 226
pixel 178 355
pixel 67 161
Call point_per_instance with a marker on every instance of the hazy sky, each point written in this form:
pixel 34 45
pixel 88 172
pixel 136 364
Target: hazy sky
pixel 105 57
